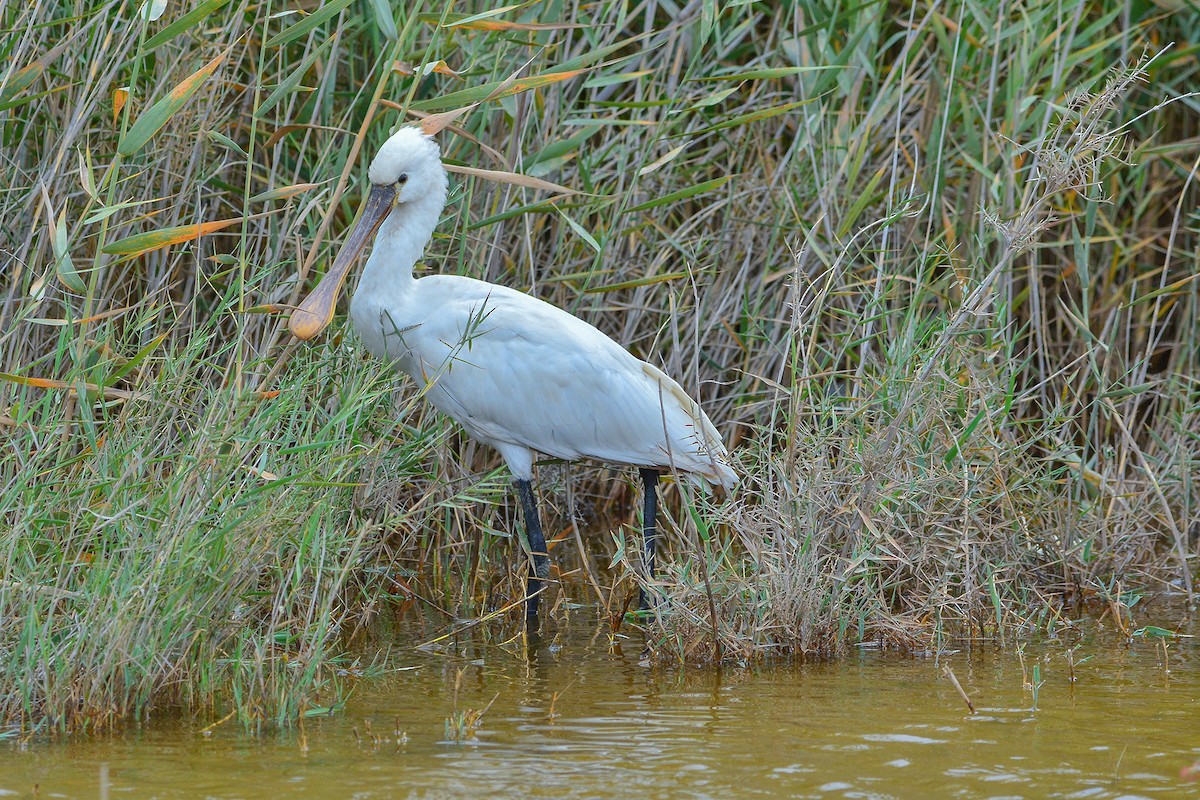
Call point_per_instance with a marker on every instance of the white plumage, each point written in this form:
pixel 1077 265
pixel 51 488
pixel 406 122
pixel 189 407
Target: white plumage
pixel 517 373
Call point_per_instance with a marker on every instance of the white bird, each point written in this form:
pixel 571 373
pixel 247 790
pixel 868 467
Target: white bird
pixel 517 373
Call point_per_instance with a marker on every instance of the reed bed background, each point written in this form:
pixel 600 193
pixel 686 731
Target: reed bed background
pixel 929 267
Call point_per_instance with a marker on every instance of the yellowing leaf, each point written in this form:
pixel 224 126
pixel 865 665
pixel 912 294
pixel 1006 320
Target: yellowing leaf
pixel 165 237
pixel 487 91
pixel 434 123
pixel 514 178
pixel 283 192
pixel 154 118
pixel 37 383
pixel 49 383
pixel 24 77
pixel 262 473
pixel 668 157
pixel 120 96
pixel 439 66
pixel 20 80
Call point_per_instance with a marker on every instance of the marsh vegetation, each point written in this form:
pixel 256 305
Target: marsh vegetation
pixel 931 269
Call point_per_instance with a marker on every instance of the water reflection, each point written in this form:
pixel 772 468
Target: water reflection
pixel 571 717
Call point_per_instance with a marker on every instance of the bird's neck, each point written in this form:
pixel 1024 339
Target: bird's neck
pixel 400 242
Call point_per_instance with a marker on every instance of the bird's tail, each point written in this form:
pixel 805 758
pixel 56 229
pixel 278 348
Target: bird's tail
pixel 706 459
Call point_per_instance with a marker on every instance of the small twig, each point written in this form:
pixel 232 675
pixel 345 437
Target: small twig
pixel 615 620
pixel 208 731
pixel 554 698
pixel 486 708
pixel 949 673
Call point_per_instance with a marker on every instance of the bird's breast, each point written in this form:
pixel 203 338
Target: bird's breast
pixel 382 330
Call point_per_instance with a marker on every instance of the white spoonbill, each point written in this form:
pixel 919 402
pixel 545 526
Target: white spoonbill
pixel 517 373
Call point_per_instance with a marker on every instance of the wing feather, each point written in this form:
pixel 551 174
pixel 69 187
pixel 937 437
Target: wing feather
pixel 513 369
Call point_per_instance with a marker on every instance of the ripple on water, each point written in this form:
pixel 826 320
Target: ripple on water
pixel 906 738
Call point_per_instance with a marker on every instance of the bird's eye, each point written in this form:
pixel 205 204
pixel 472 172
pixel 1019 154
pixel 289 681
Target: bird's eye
pixel 403 179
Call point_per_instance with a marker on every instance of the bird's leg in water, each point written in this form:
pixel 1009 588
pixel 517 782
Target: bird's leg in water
pixel 649 532
pixel 540 570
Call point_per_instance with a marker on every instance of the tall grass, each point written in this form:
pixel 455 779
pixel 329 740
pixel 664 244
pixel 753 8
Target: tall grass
pixel 930 268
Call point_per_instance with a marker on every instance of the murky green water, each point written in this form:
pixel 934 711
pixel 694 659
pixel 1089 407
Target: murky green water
pixel 875 725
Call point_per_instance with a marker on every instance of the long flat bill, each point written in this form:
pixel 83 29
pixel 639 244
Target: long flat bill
pixel 314 314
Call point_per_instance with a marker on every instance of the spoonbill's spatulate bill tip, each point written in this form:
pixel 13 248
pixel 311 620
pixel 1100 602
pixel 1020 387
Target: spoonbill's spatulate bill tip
pixel 517 373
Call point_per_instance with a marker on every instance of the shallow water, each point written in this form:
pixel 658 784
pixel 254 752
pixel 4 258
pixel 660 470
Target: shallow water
pixel 872 726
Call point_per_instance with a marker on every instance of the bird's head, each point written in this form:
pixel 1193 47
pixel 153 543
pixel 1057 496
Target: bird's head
pixel 408 162
pixel 407 169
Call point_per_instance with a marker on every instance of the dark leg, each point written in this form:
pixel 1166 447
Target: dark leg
pixel 537 548
pixel 649 532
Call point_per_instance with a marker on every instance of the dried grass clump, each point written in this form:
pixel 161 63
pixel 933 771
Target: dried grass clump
pixel 926 499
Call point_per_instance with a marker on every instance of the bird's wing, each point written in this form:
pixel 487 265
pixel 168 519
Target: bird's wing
pixel 514 369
